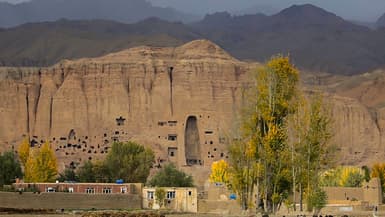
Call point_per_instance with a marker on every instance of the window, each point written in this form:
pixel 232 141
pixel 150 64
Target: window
pixel 189 193
pixel 172 123
pixel 123 190
pixel 172 151
pixel 107 191
pixel 50 189
pixel 172 137
pixel 170 195
pixel 90 190
pixel 162 123
pixel 150 195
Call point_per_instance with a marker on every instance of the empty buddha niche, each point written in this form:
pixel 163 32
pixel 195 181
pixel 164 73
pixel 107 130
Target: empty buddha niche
pixel 192 143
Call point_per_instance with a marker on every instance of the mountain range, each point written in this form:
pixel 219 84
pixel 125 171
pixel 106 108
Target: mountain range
pixel 126 11
pixel 315 39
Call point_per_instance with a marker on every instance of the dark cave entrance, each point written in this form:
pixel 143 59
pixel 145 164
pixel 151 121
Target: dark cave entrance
pixel 192 143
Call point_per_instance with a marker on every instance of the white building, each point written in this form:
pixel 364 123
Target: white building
pixel 179 199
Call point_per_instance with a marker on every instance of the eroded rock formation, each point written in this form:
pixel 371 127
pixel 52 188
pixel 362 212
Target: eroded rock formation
pixel 180 101
pixel 143 94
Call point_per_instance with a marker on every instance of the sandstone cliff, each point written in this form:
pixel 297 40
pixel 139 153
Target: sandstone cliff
pixel 180 101
pixel 161 97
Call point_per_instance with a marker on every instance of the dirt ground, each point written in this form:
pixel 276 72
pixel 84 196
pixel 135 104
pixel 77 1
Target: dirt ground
pixel 350 214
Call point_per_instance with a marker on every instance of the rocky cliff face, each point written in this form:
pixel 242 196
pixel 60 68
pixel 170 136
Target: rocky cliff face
pixel 358 104
pixel 357 134
pixel 157 96
pixel 180 101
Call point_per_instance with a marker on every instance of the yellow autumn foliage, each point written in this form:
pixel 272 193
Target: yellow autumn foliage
pixel 41 165
pixel 378 171
pixel 343 176
pixel 23 151
pixel 351 177
pixel 219 172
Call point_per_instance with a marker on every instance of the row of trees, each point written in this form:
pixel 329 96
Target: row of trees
pixel 132 163
pixel 282 142
pixel 39 164
pixel 129 161
pixel 345 176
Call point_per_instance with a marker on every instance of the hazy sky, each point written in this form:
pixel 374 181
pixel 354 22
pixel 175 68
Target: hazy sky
pixel 363 10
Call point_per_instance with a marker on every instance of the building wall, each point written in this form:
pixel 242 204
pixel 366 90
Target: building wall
pixel 373 191
pixel 185 199
pixel 69 201
pixel 370 192
pixel 219 207
pixel 340 193
pixel 98 188
pixel 216 199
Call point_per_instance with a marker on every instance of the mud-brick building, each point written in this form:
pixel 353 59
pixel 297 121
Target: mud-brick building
pixel 87 188
pixel 178 199
pixel 370 193
pixel 98 196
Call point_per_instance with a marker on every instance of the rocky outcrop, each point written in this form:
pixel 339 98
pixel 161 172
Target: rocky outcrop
pixel 359 113
pixel 357 135
pixel 182 102
pixel 144 94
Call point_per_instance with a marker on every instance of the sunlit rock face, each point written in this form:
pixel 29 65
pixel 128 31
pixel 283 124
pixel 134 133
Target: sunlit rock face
pixel 182 102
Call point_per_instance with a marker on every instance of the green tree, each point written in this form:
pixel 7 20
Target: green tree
pixel 330 178
pixel 170 176
pixel 296 140
pixel 86 173
pixel 68 175
pixel 263 135
pixel 343 176
pixel 160 196
pixel 41 165
pixel 244 171
pixel 9 168
pixel 366 172
pixel 352 177
pixel 129 161
pixel 316 200
pixel 101 172
pixel 316 151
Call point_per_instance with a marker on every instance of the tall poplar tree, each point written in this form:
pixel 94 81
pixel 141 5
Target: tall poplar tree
pixel 41 165
pixel 282 142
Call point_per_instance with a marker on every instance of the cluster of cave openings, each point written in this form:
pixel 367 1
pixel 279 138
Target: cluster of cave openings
pixel 192 143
